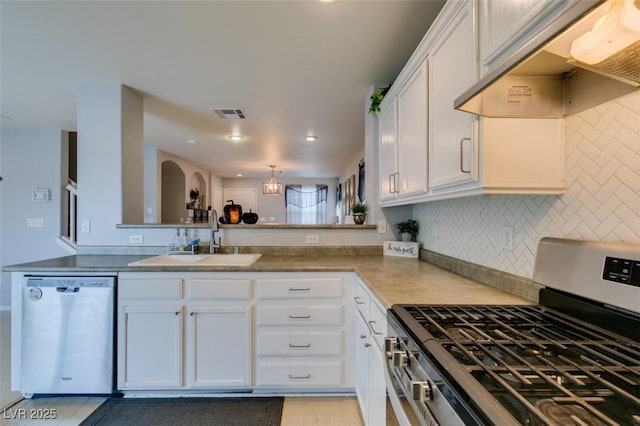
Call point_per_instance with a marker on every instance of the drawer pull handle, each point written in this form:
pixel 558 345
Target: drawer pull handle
pixel 300 289
pixel 292 377
pixel 373 328
pixel 357 299
pixel 299 317
pixel 308 345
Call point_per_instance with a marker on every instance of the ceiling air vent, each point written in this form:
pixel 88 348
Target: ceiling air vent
pixel 229 113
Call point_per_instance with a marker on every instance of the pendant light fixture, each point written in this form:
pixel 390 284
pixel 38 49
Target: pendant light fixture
pixel 272 186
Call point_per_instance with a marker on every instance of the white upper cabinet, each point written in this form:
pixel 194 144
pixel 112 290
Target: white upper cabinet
pixel 412 134
pixel 444 153
pixel 453 69
pixel 403 144
pixel 504 25
pixel 388 150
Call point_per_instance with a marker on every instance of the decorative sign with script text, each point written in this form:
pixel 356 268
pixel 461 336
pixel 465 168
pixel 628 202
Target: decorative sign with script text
pixel 401 249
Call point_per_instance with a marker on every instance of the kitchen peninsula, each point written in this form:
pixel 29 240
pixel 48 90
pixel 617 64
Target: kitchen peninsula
pixel 287 323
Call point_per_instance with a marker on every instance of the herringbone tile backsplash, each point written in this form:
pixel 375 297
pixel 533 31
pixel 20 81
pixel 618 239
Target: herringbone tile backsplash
pixel 602 201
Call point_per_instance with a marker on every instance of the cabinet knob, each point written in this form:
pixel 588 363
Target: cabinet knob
pixel 366 345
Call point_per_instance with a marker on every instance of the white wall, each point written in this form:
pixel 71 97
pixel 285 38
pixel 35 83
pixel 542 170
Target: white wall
pixel 30 159
pixel 106 111
pixel 602 200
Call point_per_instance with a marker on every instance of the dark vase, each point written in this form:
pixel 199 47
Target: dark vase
pixel 359 218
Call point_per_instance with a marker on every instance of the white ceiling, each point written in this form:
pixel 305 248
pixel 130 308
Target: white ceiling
pixel 294 67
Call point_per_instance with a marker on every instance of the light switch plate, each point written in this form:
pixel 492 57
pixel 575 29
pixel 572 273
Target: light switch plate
pixel 85 227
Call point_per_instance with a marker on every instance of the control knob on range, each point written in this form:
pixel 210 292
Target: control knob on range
pixel 421 390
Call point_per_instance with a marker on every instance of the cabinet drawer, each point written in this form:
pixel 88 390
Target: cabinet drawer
pixel 312 343
pixel 149 289
pixel 219 289
pixel 299 315
pixel 299 374
pixel 299 288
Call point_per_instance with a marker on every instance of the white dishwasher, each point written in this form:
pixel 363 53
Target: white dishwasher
pixel 67 335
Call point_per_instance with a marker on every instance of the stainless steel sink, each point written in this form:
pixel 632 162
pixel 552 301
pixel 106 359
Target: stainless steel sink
pixel 199 260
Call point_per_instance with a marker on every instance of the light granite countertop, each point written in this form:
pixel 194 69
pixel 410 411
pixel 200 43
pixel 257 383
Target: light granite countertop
pixel 392 279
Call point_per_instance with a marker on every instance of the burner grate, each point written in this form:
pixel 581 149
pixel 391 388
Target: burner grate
pixel 541 364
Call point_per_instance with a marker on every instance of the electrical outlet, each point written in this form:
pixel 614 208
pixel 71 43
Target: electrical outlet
pixel 507 237
pixel 382 227
pixel 85 227
pixel 35 222
pixel 313 239
pixel 135 239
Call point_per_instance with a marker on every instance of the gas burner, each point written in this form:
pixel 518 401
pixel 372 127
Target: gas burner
pixel 461 355
pixel 564 414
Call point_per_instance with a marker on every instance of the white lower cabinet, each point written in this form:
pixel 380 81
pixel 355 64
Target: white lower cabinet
pixel 218 347
pixel 301 333
pixel 150 346
pixel 170 323
pixel 370 330
pixel 230 331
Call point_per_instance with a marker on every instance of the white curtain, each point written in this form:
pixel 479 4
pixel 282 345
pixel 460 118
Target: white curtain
pixel 306 204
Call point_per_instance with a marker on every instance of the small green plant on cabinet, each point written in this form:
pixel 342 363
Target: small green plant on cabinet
pixel 359 208
pixel 377 98
pixel 410 227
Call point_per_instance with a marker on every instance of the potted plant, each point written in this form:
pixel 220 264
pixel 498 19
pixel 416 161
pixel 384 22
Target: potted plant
pixel 359 212
pixel 408 229
pixel 376 99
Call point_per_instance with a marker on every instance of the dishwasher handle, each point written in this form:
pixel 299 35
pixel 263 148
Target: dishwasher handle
pixel 67 290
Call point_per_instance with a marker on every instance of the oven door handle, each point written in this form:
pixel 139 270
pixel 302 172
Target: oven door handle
pixel 401 416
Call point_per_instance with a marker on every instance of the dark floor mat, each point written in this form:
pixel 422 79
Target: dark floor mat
pixel 259 411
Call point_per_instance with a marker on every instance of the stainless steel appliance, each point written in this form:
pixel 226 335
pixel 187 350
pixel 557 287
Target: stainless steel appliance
pixel 68 335
pixel 574 359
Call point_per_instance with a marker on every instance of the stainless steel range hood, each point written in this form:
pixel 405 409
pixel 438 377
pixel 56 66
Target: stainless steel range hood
pixel 545 79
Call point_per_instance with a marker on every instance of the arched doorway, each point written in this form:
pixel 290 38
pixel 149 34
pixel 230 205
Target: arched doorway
pixel 172 193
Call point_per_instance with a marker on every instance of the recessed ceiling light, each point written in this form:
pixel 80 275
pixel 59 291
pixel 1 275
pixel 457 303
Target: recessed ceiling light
pixel 236 138
pixel 192 141
pixel 239 175
pixel 311 138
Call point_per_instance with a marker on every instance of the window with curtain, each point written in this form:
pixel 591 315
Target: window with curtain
pixel 306 204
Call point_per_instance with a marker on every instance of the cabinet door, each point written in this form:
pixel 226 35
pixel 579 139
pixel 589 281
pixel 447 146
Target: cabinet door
pixel 363 349
pixel 412 134
pixel 387 151
pixel 219 347
pixel 377 388
pixel 150 347
pixel 453 158
pixel 505 25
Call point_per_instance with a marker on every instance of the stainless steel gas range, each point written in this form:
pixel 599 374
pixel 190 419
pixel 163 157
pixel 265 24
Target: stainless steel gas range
pixel 574 359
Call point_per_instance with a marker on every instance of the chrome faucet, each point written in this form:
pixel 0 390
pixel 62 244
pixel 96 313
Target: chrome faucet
pixel 214 247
